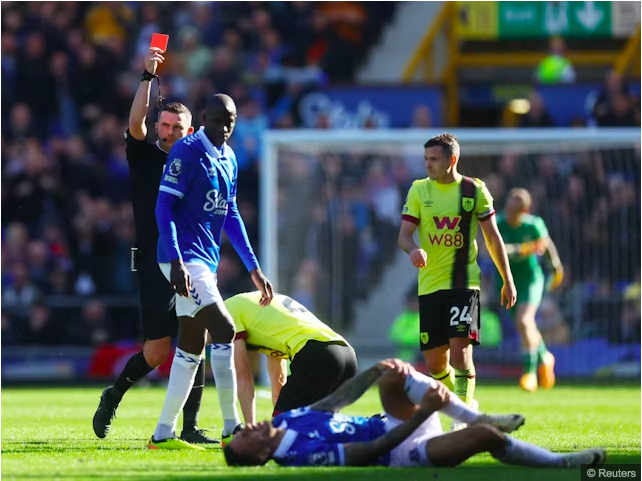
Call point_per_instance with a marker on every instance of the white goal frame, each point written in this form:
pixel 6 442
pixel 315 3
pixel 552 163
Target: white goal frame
pixel 274 139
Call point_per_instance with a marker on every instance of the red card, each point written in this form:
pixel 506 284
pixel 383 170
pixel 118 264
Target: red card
pixel 159 40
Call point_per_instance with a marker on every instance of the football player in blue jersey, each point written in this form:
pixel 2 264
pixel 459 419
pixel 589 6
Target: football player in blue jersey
pixel 196 200
pixel 408 435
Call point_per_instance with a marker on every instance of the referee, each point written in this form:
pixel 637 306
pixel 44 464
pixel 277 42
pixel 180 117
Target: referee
pixel 146 163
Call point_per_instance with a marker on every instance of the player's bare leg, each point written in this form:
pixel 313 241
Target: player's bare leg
pixel 191 335
pixel 220 325
pixel 530 340
pixel 400 396
pixel 454 448
pixel 156 351
pixel 438 365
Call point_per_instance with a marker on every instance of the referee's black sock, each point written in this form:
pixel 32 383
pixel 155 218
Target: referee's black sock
pixel 135 369
pixel 193 403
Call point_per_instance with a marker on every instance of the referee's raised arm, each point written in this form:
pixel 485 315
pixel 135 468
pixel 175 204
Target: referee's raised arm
pixel 138 112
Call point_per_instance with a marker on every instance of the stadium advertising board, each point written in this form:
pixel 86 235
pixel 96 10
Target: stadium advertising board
pixel 353 107
pixel 502 20
pixel 103 362
pixel 563 102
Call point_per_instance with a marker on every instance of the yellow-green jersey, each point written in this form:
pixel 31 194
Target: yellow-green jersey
pixel 280 329
pixel 447 216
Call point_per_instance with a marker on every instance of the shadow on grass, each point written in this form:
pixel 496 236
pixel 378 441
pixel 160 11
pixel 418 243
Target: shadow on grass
pixel 61 446
pixel 489 472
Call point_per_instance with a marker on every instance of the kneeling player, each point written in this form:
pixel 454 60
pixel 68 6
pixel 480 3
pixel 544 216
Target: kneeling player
pixel 322 360
pixel 409 435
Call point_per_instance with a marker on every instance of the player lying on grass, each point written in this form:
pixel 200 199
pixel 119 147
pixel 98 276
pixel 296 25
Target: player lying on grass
pixel 322 360
pixel 408 435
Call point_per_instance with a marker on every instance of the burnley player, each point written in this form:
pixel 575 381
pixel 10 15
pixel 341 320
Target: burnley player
pixel 322 360
pixel 197 199
pixel 526 237
pixel 447 208
pixel 146 162
pixel 408 434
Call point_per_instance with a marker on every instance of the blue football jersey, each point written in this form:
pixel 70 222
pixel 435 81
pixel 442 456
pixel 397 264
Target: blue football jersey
pixel 199 186
pixel 316 438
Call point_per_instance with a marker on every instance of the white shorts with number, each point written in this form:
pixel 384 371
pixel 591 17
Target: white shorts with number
pixel 204 289
pixel 412 452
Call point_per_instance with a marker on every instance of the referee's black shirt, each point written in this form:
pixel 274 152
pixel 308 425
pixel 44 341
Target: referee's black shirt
pixel 146 162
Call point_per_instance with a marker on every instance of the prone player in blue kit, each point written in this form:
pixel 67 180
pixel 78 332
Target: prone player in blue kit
pixel 408 435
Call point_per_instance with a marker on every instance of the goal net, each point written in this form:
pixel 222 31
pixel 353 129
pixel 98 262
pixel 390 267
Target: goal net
pixel 331 207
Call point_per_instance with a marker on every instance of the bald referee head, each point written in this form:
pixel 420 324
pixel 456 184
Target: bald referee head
pixel 219 118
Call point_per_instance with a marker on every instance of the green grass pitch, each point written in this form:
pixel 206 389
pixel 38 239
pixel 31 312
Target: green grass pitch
pixel 47 434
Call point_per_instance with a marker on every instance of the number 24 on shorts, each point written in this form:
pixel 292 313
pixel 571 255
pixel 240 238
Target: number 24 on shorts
pixel 463 315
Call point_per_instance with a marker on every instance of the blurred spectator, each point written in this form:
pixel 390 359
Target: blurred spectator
pixel 422 118
pixel 620 113
pixel 193 54
pixel 493 334
pixel 42 327
pixel 10 331
pixel 604 106
pixel 22 292
pixel 537 115
pixel 551 325
pixel 556 68
pixel 404 331
pixel 628 330
pixel 106 20
pixel 92 328
pixel 305 287
pixel 250 124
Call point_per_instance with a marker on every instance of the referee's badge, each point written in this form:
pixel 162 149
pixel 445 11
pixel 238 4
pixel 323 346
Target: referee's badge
pixel 467 203
pixel 424 338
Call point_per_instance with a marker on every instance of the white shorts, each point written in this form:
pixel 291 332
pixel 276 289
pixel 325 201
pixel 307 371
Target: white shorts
pixel 412 452
pixel 204 289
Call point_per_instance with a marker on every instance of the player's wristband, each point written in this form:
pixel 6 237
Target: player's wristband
pixel 146 76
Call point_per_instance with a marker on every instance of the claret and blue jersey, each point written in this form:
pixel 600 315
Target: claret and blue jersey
pixel 317 438
pixel 196 200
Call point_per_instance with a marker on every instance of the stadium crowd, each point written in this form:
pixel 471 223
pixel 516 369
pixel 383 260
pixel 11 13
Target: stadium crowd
pixel 69 73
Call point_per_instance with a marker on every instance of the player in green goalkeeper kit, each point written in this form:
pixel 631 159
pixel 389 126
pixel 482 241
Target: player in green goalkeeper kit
pixel 526 238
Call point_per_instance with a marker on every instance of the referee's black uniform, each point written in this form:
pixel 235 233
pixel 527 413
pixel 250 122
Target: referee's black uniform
pixel 146 162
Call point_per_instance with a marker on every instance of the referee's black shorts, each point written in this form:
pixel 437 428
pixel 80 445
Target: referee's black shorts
pixel 448 314
pixel 157 304
pixel 318 369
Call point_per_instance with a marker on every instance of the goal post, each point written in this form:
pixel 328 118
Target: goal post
pixel 578 178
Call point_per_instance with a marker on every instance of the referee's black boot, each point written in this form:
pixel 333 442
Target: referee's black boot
pixel 198 436
pixel 105 413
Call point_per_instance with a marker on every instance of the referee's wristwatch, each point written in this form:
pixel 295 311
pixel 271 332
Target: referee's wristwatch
pixel 147 76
